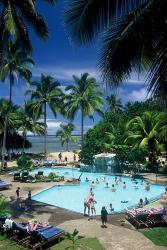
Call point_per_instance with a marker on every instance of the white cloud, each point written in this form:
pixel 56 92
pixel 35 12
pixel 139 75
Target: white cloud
pixel 63 73
pixel 134 95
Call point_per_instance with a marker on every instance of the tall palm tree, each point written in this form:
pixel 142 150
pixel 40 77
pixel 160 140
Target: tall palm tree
pixel 65 134
pixel 83 96
pixel 28 121
pixel 134 37
pixel 16 17
pixel 15 65
pixel 9 110
pixel 114 104
pixel 146 132
pixel 47 93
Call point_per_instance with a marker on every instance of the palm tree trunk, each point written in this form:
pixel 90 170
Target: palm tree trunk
pixel 82 128
pixel 45 146
pixel 6 124
pixel 24 140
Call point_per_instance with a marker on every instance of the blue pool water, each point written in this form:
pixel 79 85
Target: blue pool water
pixel 72 197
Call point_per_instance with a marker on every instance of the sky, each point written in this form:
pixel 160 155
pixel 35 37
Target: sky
pixel 60 58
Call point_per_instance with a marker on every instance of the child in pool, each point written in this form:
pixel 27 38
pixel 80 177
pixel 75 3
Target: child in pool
pixel 113 189
pixel 147 187
pixel 124 185
pixel 107 185
pixel 111 209
pixel 93 185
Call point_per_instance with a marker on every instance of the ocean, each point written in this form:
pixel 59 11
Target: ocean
pixel 53 144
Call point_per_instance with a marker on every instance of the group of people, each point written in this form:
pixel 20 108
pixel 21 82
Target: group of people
pixel 22 203
pixel 117 181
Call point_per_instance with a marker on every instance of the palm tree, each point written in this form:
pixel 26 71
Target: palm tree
pixel 134 38
pixel 15 65
pixel 15 19
pixel 146 132
pixel 114 104
pixel 85 97
pixel 28 121
pixel 47 92
pixel 9 110
pixel 65 134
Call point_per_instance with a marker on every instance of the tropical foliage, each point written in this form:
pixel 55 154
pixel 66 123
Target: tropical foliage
pixel 47 92
pixel 133 38
pixel 16 18
pixel 137 133
pixel 3 207
pixel 28 121
pixel 65 134
pixel 113 104
pixel 84 96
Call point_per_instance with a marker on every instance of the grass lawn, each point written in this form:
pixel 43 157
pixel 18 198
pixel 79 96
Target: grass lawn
pixel 82 244
pixel 157 235
pixel 8 245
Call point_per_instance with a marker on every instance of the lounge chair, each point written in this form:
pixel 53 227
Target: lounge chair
pixel 142 217
pixel 4 185
pixel 24 176
pixel 35 239
pixel 17 177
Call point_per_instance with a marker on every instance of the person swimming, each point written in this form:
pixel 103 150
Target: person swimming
pixel 86 179
pixel 146 201
pixel 97 181
pixel 136 185
pixel 113 189
pixel 124 185
pixel 91 191
pixel 140 204
pixel 147 187
pixel 124 201
pixel 111 209
pixel 107 185
pixel 93 185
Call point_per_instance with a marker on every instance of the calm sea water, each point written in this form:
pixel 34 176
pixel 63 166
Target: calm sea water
pixel 53 144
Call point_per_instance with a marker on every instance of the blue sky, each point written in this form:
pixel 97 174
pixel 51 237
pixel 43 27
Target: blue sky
pixel 60 58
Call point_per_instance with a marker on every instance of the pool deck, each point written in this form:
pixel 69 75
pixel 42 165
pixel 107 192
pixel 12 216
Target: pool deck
pixel 115 237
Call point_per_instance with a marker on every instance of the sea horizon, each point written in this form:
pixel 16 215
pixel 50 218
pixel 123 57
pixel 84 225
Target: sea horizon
pixel 53 144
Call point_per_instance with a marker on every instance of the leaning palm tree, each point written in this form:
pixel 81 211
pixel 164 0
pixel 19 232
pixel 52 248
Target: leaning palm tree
pixel 113 104
pixel 15 65
pixel 28 121
pixel 65 134
pixel 133 39
pixel 47 93
pixel 16 17
pixel 83 96
pixel 146 132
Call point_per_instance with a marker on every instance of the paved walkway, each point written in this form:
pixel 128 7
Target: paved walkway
pixel 113 237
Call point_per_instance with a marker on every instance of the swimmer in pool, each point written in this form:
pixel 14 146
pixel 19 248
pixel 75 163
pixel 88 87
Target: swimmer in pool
pixel 113 189
pixel 124 185
pixel 86 179
pixel 93 185
pixel 147 187
pixel 97 181
pixel 106 186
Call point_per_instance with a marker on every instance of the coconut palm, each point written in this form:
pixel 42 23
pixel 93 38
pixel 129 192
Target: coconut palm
pixel 15 65
pixel 83 96
pixel 28 121
pixel 133 39
pixel 65 134
pixel 114 104
pixel 16 17
pixel 47 93
pixel 146 132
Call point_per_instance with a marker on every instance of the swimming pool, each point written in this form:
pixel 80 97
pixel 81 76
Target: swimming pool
pixel 72 197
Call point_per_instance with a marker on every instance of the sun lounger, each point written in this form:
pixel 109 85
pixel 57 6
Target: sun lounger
pixel 142 217
pixel 17 177
pixel 36 238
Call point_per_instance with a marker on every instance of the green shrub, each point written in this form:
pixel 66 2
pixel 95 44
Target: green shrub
pixel 24 163
pixel 52 176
